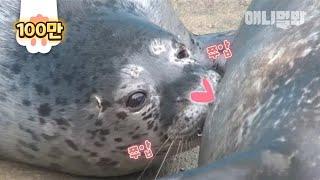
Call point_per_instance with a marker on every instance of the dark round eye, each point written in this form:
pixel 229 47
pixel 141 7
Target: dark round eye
pixel 182 53
pixel 136 100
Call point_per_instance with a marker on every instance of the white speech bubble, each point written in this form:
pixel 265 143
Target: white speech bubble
pixel 38 11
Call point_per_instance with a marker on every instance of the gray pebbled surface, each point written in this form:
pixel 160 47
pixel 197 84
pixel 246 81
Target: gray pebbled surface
pixel 199 16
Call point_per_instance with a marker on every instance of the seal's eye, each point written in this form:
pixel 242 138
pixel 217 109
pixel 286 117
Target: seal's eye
pixel 136 100
pixel 182 53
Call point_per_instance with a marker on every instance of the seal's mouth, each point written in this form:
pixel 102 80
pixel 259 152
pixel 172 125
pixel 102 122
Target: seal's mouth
pixel 190 120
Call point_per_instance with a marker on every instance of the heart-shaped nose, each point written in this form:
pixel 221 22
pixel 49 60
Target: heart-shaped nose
pixel 205 96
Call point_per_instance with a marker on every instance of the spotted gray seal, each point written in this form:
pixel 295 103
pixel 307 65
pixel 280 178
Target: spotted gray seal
pixel 121 76
pixel 265 123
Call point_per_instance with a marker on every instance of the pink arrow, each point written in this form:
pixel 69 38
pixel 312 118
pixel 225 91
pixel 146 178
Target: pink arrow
pixel 206 96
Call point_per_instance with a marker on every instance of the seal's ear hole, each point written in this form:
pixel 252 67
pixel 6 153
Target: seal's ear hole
pixel 182 52
pixel 136 100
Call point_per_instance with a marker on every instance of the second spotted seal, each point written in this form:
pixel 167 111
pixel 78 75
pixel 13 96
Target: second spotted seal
pixel 265 123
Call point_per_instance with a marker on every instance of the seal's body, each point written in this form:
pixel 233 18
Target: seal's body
pixel 265 124
pixel 121 76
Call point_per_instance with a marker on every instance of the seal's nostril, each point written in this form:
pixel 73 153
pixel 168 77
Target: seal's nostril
pixel 181 99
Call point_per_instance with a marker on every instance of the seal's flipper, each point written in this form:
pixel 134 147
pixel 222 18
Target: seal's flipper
pixel 253 165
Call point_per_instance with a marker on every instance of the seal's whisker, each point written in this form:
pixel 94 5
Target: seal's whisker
pixel 149 163
pixel 178 147
pixel 188 144
pixel 164 159
pixel 177 153
pixel 181 150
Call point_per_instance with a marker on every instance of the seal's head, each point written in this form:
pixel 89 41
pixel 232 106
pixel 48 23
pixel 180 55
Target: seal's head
pixel 115 81
pixel 136 87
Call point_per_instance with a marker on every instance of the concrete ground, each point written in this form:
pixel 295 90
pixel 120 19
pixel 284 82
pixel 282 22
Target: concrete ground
pixel 200 17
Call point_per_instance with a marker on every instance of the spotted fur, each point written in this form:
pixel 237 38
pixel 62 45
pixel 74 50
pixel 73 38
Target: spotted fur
pixel 66 110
